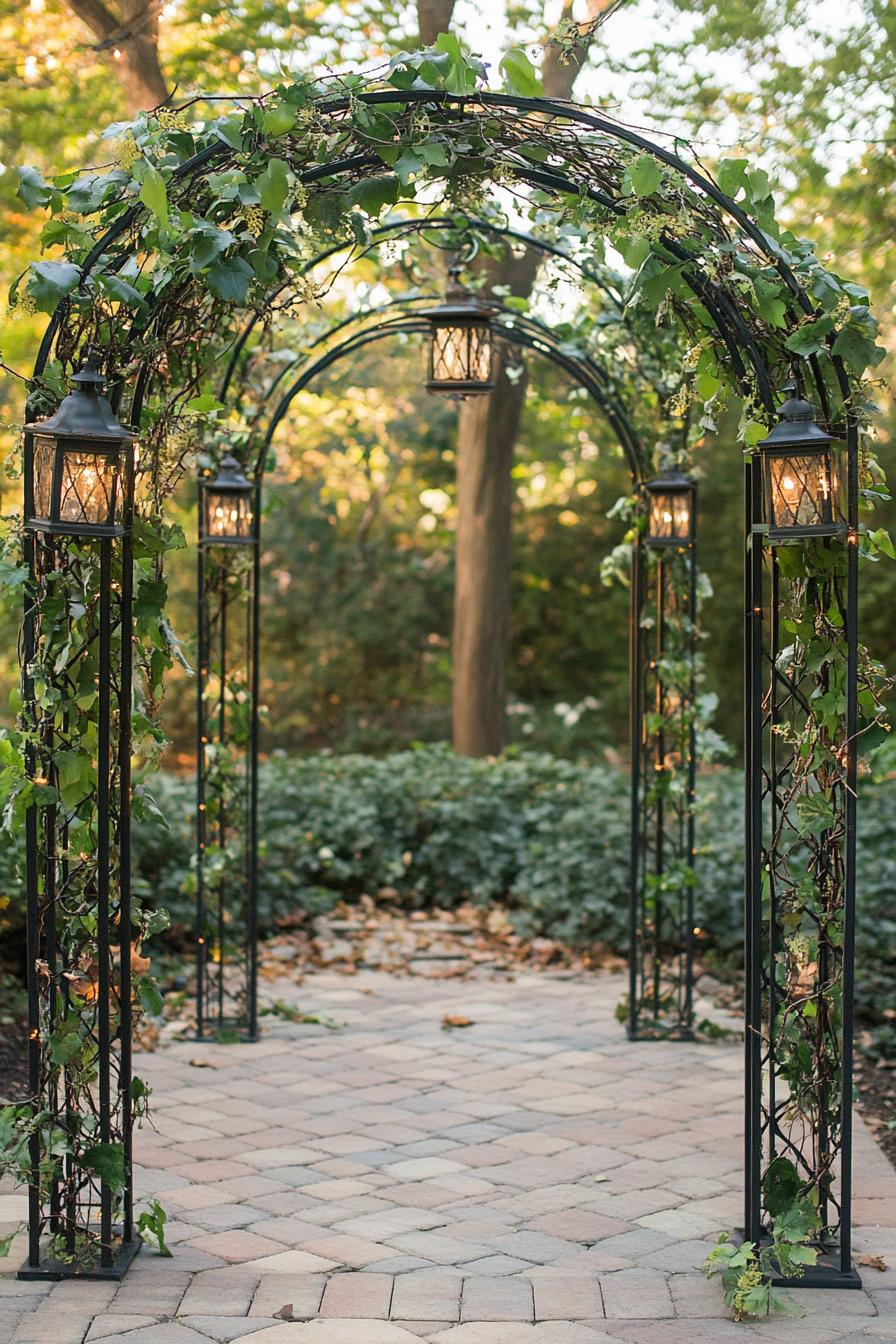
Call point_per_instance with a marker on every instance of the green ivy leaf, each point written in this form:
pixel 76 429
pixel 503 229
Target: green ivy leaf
pixel 858 349
pixel 107 1160
pixel 32 188
pixel 781 1186
pixel 520 75
pixel 154 195
pixel 810 339
pixel 151 1226
pixel 121 291
pixel 731 176
pixel 50 281
pixel 815 815
pixel 882 542
pixel 230 280
pixel 273 186
pixel 373 193
pixel 207 244
pixel 150 996
pixel 150 599
pixel 204 404
pixel 279 119
pixel 645 176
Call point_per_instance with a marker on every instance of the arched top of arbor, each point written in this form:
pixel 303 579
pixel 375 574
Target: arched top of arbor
pixel 461 229
pixel 405 318
pixel 200 221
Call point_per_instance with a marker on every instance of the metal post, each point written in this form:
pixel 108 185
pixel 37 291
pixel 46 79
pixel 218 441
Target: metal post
pixel 635 733
pixel 252 765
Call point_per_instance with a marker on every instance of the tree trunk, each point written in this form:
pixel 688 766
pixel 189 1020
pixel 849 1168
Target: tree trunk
pixel 433 17
pixel 486 438
pixel 134 33
pixel 486 442
pixel 487 433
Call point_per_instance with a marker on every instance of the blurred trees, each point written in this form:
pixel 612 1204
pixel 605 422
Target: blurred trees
pixel 358 611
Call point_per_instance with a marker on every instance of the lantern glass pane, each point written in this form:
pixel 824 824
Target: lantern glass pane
pixel 87 487
pixel 461 354
pixel 800 490
pixel 228 516
pixel 670 516
pixel 44 458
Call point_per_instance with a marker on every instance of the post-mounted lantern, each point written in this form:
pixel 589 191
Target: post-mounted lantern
pixel 801 480
pixel 671 509
pixel 460 346
pixel 81 463
pixel 227 506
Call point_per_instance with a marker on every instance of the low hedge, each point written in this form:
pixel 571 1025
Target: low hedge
pixel 544 836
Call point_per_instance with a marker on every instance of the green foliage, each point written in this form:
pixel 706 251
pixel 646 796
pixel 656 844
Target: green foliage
pixel 216 240
pixel 547 837
pixel 151 1227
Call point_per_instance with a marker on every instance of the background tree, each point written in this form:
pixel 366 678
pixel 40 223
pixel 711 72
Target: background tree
pixel 808 94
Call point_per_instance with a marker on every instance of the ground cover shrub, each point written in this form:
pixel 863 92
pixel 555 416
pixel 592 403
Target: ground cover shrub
pixel 546 837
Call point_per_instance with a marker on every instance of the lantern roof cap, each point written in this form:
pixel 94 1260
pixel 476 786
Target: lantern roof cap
pixel 461 304
pixel 797 426
pixel 230 477
pixel 85 412
pixel 672 479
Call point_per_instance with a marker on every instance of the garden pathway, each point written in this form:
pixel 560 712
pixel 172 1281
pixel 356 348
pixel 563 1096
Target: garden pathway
pixel 529 1179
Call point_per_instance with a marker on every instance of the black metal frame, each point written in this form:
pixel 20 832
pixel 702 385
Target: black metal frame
pixel 751 373
pixel 663 789
pixel 779 909
pixel 226 928
pixel 64 1205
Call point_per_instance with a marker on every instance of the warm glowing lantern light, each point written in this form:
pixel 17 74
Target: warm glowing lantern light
pixel 460 347
pixel 81 463
pixel 227 502
pixel 800 476
pixel 671 509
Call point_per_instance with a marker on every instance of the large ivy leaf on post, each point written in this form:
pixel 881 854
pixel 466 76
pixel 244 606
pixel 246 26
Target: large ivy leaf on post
pixel 107 1161
pixel 154 195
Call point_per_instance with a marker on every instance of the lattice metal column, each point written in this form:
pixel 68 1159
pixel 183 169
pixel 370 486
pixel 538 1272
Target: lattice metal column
pixel 801 623
pixel 76 719
pixel 663 786
pixel 227 760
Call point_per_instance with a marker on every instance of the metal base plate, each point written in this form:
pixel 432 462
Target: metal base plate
pixel 59 1269
pixel 825 1273
pixel 233 1029
pixel 645 1034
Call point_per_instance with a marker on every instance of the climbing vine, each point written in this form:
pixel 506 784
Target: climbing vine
pixel 200 215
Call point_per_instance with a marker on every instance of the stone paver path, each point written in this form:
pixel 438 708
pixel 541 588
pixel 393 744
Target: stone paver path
pixel 530 1179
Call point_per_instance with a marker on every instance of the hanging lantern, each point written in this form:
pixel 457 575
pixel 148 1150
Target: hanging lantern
pixel 800 478
pixel 81 463
pixel 671 509
pixel 226 502
pixel 460 346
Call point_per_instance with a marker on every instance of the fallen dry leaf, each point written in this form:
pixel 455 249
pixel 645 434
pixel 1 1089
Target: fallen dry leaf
pixel 285 1313
pixel 872 1262
pixel 451 1020
pixel 202 1064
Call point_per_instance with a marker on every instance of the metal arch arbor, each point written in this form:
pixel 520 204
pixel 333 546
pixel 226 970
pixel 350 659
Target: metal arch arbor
pixel 810 1131
pixel 661 856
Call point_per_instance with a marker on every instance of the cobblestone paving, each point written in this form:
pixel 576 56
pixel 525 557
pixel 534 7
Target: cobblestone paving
pixel 530 1179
